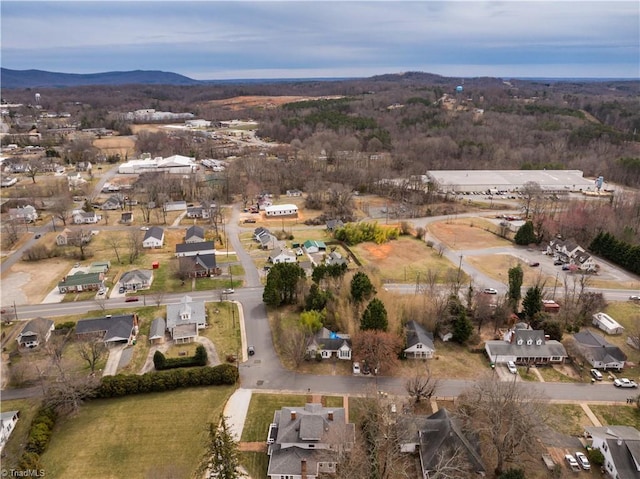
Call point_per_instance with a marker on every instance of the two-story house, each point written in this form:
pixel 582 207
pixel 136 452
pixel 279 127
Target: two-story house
pixel 185 319
pixel 620 446
pixel 306 442
pixel 525 346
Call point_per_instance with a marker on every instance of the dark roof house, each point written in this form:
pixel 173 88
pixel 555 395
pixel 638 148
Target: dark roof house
pixel 112 329
pixel 598 352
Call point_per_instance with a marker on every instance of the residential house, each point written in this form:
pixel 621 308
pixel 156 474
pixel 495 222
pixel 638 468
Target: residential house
pixel 74 179
pixel 185 319
pixel 571 253
pixel 278 255
pixel 312 246
pixel 550 306
pixel 36 331
pixel 27 214
pixel 620 446
pixel 81 282
pixel 72 237
pixel 281 210
pixel 120 329
pixel 198 212
pixel 607 324
pixel 153 238
pixel 194 234
pixel 175 206
pixel 260 231
pixel 192 249
pixel 333 225
pixel 198 266
pixel 585 262
pixel 334 258
pixel 525 346
pixel 328 344
pixel 85 217
pixel 294 193
pixel 419 342
pixel 598 352
pixel 306 442
pixel 136 280
pixel 112 203
pixel 157 331
pixel 437 438
pixel 99 267
pixel 8 421
pixel 84 166
pixel 126 217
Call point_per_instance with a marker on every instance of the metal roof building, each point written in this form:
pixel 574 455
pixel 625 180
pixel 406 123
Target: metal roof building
pixel 510 180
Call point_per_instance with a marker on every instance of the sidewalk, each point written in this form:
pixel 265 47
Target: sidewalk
pixel 236 411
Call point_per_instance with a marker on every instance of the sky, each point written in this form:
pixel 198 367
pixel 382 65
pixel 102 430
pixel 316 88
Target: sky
pixel 217 40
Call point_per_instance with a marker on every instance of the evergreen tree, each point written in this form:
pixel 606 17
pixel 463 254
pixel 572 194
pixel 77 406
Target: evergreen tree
pixel 316 299
pixel 222 456
pixel 462 327
pixel 515 284
pixel 532 302
pixel 282 284
pixel 525 234
pixel 375 316
pixel 361 287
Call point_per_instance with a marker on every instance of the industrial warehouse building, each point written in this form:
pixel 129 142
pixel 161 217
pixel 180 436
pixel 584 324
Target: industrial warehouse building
pixel 481 181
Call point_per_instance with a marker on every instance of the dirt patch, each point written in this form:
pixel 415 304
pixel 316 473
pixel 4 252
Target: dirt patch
pixel 243 102
pixel 252 447
pixel 470 233
pixel 378 251
pixel 31 282
pixel 116 145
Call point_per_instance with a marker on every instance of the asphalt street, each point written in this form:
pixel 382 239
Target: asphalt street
pixel 263 371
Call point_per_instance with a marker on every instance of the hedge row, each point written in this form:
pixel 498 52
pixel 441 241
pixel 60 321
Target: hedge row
pixel 39 437
pixel 124 385
pixel 161 362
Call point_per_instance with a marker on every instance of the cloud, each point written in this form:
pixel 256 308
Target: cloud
pixel 306 36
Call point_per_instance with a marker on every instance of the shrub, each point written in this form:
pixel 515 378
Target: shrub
pixel 595 457
pixel 66 325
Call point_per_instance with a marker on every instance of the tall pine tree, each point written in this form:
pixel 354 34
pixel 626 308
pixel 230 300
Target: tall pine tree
pixel 221 456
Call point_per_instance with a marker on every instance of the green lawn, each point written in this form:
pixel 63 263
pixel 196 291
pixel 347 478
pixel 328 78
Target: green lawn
pixel 224 328
pixel 255 463
pixel 618 415
pixel 260 413
pixel 136 436
pixel 568 419
pixel 553 375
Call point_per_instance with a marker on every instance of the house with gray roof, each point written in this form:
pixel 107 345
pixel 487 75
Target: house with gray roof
pixel 598 352
pixel 198 266
pixel 440 437
pixel 419 342
pixel 306 442
pixel 328 344
pixel 185 319
pixel 112 330
pixel 81 282
pixel 279 255
pixel 620 446
pixel 157 331
pixel 36 331
pixel 525 346
pixel 192 249
pixel 194 234
pixel 334 258
pixel 136 279
pixel 153 238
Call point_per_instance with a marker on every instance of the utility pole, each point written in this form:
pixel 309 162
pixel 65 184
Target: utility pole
pixel 554 286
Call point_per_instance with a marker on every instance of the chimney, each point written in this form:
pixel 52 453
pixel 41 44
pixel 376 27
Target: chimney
pixel 330 415
pixel 293 415
pixel 303 469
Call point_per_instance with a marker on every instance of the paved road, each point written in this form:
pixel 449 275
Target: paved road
pixel 264 371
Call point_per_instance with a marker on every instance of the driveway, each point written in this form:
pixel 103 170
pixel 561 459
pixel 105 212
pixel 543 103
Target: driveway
pixel 115 353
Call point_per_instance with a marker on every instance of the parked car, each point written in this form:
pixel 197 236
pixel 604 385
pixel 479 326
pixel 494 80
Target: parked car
pixel 366 369
pixel 635 297
pixel 251 350
pixel 249 220
pixel 38 236
pixel 144 228
pixel 557 262
pixel 573 464
pixel 534 264
pixel 131 299
pixel 597 375
pixel 625 383
pixel 490 291
pixel 121 290
pixel 565 267
pixel 228 291
pixel 356 368
pixel 583 461
pixel 511 366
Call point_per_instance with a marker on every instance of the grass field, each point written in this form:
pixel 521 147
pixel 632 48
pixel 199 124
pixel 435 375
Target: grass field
pixel 618 415
pixel 137 436
pixel 467 233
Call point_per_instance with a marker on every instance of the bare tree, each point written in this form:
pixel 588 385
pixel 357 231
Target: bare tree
pixel 11 232
pixel 422 385
pixel 508 417
pixel 157 298
pixel 79 240
pixel 92 351
pixel 115 242
pixel 377 348
pixel 62 208
pixel 68 393
pixel 33 167
pixel 530 191
pixel 134 244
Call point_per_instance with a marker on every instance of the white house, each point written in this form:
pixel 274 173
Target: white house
pixel 8 420
pixel 278 255
pixel 281 210
pixel 28 214
pixel 328 344
pixel 419 342
pixel 36 331
pixel 620 446
pixel 607 324
pixel 153 238
pixel 85 217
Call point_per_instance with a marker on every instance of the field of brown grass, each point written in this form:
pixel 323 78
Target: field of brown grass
pixel 467 233
pixel 125 146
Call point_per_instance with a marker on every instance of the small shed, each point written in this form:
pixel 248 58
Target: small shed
pixel 607 324
pixel 155 264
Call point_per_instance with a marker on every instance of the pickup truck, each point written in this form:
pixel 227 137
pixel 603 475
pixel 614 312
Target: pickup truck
pixel 548 461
